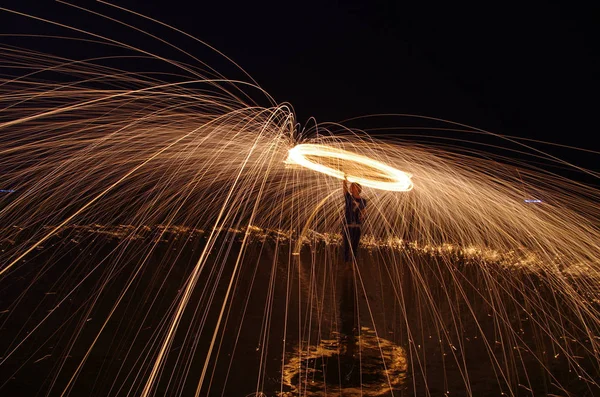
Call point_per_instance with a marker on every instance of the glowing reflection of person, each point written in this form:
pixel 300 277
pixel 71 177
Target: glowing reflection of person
pixel 354 214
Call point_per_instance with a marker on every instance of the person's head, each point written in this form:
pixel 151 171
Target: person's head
pixel 355 189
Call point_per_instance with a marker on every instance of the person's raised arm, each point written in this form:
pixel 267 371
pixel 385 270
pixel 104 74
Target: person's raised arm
pixel 345 184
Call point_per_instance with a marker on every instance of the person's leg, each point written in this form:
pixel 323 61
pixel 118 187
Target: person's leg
pixel 346 244
pixel 355 233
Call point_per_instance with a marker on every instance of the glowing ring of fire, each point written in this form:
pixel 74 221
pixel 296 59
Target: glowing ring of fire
pixel 395 180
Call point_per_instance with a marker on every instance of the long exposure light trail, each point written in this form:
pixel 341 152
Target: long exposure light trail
pixel 350 165
pixel 162 233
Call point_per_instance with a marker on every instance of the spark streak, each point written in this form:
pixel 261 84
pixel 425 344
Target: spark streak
pixel 161 203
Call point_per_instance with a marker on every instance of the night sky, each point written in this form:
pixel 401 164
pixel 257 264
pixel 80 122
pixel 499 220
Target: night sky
pixel 526 69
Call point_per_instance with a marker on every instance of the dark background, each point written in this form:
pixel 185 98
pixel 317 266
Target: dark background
pixel 526 69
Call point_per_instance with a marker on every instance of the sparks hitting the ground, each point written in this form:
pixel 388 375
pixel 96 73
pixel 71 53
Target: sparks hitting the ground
pixel 84 144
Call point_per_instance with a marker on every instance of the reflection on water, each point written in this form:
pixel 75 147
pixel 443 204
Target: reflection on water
pixel 367 366
pixel 468 327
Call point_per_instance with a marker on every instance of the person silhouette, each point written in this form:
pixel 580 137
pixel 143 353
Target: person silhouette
pixel 354 213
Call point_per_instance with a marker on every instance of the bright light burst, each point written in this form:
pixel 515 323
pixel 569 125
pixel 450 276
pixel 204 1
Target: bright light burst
pixel 147 209
pixel 341 163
